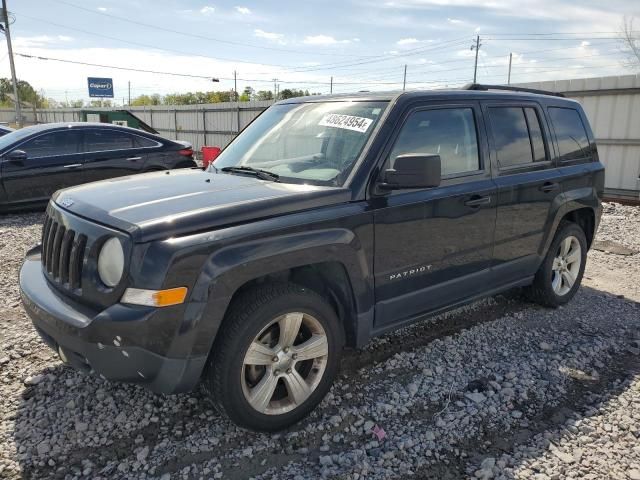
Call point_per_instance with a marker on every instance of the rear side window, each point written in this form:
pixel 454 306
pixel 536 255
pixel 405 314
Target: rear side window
pixel 144 142
pixel 573 142
pixel 103 140
pixel 517 136
pixel 64 142
pixel 448 132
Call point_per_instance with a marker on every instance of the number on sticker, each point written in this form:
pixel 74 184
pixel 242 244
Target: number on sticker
pixel 347 122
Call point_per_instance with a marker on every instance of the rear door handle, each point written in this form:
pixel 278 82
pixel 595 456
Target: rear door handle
pixel 134 159
pixel 549 187
pixel 476 201
pixel 73 165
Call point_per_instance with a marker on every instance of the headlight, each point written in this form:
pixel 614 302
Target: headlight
pixel 111 262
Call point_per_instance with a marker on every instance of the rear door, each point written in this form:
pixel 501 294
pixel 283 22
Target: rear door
pixel 577 154
pixel 54 161
pixel 528 182
pixel 433 246
pixel 111 153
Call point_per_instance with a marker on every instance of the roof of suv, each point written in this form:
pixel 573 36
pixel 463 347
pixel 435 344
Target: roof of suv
pixel 394 95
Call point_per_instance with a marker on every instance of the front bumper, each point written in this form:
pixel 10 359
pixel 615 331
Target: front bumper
pixel 103 342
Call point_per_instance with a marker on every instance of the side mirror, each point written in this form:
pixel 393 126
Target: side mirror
pixel 413 170
pixel 17 156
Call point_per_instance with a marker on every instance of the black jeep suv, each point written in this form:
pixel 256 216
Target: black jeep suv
pixel 327 221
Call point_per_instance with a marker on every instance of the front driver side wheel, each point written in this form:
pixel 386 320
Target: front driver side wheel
pixel 276 356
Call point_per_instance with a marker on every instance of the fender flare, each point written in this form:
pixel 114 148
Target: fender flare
pixel 229 268
pixel 571 201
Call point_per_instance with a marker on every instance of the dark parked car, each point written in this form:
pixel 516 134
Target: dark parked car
pixel 4 130
pixel 36 161
pixel 326 222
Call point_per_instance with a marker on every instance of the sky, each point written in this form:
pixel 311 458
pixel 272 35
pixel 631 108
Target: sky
pixel 339 46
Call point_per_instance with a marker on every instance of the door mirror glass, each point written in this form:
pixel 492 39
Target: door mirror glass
pixel 17 156
pixel 413 170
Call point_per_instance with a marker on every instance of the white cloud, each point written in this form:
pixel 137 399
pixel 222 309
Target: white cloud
pixel 407 41
pixel 103 9
pixel 585 44
pixel 274 37
pixel 40 40
pixel 322 40
pixel 207 10
pixel 243 10
pixel 454 21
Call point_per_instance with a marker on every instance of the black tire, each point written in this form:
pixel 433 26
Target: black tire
pixel 542 291
pixel 247 318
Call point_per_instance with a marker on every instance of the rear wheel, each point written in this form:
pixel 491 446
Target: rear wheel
pixel 276 357
pixel 560 274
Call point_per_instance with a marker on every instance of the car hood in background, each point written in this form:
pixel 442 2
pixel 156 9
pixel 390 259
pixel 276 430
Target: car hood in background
pixel 161 204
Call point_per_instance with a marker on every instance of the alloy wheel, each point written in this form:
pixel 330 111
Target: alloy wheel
pixel 566 265
pixel 284 363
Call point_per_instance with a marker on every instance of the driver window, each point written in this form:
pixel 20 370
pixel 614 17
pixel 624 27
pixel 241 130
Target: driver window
pixel 63 142
pixel 448 132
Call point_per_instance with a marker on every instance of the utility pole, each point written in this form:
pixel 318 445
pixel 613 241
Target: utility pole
pixel 331 86
pixel 5 14
pixel 476 47
pixel 509 77
pixel 275 93
pixel 129 92
pixel 404 80
pixel 235 84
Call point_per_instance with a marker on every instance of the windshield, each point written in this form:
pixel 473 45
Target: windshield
pixel 311 143
pixel 12 137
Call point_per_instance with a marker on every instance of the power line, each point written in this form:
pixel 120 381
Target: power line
pixel 555 33
pixel 154 47
pixel 157 72
pixel 204 37
pixel 288 68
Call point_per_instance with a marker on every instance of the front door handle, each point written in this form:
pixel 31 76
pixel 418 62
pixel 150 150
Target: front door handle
pixel 134 159
pixel 477 200
pixel 73 165
pixel 549 187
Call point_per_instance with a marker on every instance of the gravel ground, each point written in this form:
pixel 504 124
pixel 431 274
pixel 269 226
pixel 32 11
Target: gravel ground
pixel 499 389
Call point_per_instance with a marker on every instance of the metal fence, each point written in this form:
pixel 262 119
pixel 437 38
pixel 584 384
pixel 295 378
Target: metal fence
pixel 612 105
pixel 213 124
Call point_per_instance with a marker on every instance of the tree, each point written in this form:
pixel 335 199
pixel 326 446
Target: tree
pixel 291 93
pixel 631 41
pixel 25 91
pixel 101 103
pixel 263 95
pixel 142 100
pixel 246 94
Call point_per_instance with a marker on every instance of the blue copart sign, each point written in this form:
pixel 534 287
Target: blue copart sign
pixel 100 87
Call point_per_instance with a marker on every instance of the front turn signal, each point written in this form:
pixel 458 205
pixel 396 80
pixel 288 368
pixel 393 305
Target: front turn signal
pixel 155 298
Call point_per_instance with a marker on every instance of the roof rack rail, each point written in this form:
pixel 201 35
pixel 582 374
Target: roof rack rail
pixel 479 86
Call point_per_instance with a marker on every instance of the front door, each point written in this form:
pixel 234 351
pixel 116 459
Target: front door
pixel 54 161
pixel 433 246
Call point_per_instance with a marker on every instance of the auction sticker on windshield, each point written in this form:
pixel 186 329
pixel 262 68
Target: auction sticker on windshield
pixel 348 122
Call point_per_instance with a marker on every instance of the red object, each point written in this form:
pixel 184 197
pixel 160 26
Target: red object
pixel 187 152
pixel 209 154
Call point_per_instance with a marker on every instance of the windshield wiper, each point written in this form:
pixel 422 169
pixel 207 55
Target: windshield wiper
pixel 262 174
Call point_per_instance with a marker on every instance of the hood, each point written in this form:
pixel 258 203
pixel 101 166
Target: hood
pixel 158 205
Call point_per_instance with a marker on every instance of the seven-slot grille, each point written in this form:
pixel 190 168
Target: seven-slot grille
pixel 62 253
